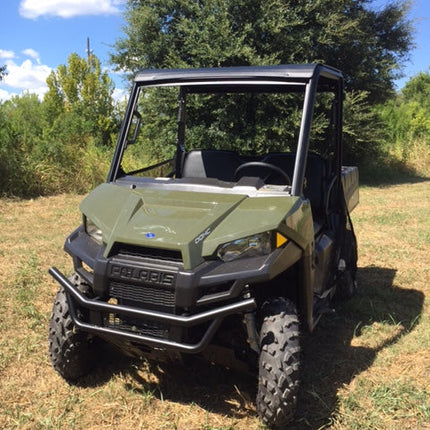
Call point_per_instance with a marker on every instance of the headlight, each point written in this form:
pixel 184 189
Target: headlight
pixel 251 246
pixel 93 231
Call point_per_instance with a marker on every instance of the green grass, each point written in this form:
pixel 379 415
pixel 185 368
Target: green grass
pixel 367 366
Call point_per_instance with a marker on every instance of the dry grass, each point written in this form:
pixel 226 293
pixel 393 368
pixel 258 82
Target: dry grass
pixel 366 367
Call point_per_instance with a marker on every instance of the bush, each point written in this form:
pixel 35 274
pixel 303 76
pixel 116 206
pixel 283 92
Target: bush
pixel 406 120
pixel 38 160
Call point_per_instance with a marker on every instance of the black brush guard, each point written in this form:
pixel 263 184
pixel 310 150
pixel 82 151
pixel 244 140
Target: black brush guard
pixel 215 316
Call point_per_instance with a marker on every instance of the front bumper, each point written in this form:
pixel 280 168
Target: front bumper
pixel 158 304
pixel 77 300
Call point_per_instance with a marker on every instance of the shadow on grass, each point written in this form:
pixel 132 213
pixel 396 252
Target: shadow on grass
pixel 380 174
pixel 389 179
pixel 328 361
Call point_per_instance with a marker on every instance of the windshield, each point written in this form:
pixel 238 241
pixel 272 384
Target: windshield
pixel 249 120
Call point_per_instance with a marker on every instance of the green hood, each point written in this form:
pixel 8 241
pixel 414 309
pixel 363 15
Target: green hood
pixel 195 223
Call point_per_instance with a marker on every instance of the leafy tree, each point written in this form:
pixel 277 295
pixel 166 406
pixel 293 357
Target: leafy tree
pixel 406 123
pixel 21 131
pixel 63 142
pixel 79 100
pixel 407 117
pixel 36 161
pixel 417 89
pixel 368 45
pixel 363 133
pixel 3 72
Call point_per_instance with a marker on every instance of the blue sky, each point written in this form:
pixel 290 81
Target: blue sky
pixel 36 36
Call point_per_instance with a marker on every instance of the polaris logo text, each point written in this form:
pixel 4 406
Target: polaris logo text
pixel 142 275
pixel 201 236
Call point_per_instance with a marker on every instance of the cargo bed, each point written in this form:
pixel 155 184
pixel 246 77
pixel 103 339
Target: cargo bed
pixel 350 186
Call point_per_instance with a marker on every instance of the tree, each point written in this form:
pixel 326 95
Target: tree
pixel 80 97
pixel 406 119
pixel 368 45
pixel 418 89
pixel 21 131
pixel 63 143
pixel 3 72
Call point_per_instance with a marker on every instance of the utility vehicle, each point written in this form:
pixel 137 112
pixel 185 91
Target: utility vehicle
pixel 230 247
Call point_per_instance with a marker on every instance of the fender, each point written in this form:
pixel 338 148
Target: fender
pixel 306 290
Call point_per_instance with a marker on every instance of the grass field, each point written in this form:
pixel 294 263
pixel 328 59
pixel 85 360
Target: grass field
pixel 367 366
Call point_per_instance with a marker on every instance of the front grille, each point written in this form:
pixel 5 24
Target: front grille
pixel 124 250
pixel 156 297
pixel 142 278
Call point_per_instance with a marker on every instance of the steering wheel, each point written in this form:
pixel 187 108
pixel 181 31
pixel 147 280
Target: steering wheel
pixel 260 164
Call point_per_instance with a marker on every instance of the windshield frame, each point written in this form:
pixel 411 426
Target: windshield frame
pixel 309 79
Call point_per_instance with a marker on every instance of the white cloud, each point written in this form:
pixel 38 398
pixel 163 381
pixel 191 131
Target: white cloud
pixel 120 95
pixel 6 55
pixel 26 76
pixel 68 8
pixel 30 76
pixel 5 95
pixel 32 54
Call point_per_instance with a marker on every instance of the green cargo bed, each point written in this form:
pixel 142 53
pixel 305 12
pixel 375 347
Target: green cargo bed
pixel 350 186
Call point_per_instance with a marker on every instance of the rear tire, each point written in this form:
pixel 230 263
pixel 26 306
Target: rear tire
pixel 279 363
pixel 346 283
pixel 71 351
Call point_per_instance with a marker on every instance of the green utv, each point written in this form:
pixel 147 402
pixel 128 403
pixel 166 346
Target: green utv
pixel 230 247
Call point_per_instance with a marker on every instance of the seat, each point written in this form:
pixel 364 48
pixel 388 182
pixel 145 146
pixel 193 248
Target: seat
pixel 209 163
pixel 315 184
pixel 315 176
pixel 283 160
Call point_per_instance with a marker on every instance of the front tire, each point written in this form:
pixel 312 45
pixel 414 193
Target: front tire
pixel 279 363
pixel 71 351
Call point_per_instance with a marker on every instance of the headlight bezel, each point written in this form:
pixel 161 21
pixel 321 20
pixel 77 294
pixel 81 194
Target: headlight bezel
pixel 93 230
pixel 254 245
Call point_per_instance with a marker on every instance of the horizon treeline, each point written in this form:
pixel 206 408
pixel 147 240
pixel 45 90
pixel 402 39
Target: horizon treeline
pixel 64 142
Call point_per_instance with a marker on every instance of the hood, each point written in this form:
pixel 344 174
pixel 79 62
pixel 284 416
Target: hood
pixel 194 223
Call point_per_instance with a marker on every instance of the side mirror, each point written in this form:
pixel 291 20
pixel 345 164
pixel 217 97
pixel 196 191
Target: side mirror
pixel 134 127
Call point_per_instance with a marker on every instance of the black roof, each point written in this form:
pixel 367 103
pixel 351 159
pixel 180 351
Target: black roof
pixel 287 73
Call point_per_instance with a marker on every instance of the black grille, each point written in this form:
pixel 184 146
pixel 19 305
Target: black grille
pixel 123 250
pixel 156 296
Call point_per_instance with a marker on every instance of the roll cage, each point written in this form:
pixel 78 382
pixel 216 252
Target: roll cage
pixel 308 79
